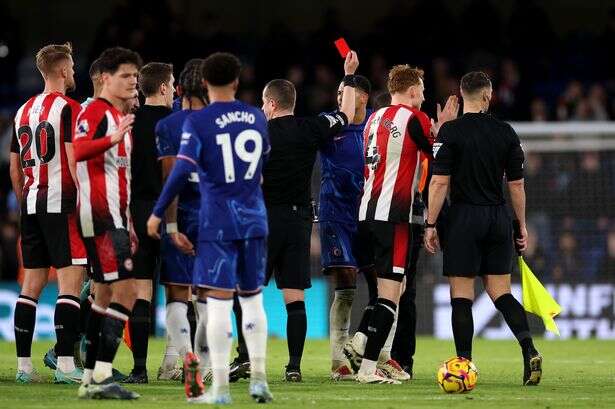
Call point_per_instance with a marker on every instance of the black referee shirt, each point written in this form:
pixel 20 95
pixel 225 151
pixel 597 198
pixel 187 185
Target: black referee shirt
pixel 146 171
pixel 477 151
pixel 294 143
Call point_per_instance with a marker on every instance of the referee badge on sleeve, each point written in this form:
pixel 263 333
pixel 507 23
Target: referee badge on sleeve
pixel 436 148
pixel 332 120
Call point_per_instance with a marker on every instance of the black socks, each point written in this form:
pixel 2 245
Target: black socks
pixel 463 326
pixel 84 313
pixel 296 330
pixel 515 317
pixel 24 320
pixel 92 336
pixel 404 343
pixel 111 332
pixel 192 321
pixel 67 327
pixel 139 333
pixel 379 328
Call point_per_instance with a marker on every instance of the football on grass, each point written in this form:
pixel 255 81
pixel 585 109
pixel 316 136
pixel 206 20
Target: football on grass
pixel 457 375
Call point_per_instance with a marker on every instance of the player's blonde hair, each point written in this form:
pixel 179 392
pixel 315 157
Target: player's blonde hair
pixel 48 56
pixel 402 77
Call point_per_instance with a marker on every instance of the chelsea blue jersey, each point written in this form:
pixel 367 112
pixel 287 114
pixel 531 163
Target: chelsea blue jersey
pixel 168 136
pixel 227 141
pixel 342 166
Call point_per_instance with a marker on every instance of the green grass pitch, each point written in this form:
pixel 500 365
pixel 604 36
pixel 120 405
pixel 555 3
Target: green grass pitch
pixel 575 374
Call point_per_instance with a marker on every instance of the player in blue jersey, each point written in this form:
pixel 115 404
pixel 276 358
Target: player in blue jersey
pixel 226 143
pixel 342 167
pixel 181 230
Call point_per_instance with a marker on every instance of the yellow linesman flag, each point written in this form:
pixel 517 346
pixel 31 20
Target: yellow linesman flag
pixel 536 298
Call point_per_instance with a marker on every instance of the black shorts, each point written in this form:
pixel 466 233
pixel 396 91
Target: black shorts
pixel 476 240
pixel 109 256
pixel 387 247
pixel 51 240
pixel 288 246
pixel 147 258
pixel 417 232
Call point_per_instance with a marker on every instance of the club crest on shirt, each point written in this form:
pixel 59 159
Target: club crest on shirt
pixel 436 148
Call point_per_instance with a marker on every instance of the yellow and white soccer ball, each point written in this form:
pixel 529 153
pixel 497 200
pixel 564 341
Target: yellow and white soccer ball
pixel 457 375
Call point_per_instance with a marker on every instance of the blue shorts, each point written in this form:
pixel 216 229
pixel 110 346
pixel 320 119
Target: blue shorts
pixel 176 267
pixel 231 265
pixel 339 244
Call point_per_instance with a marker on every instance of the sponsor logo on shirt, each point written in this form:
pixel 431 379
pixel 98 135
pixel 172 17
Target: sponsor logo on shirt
pixel 185 138
pixel 82 128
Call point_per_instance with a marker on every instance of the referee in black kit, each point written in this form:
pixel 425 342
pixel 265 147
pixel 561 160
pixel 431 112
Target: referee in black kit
pixel 287 190
pixel 156 83
pixel 472 155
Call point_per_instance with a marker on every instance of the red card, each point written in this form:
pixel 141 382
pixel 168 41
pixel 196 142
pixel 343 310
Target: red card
pixel 342 47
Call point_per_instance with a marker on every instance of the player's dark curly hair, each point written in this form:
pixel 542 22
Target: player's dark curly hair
pixel 111 59
pixel 221 69
pixel 191 80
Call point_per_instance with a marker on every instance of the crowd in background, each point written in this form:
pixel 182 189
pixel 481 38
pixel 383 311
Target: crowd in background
pixel 537 74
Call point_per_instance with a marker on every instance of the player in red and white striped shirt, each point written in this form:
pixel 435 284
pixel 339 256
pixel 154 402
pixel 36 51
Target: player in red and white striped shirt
pixel 394 138
pixel 41 160
pixel 102 147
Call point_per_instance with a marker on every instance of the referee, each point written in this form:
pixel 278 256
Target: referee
pixel 287 190
pixel 156 83
pixel 472 155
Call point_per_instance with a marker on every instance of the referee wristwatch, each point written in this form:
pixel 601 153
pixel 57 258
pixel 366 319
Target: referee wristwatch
pixel 430 225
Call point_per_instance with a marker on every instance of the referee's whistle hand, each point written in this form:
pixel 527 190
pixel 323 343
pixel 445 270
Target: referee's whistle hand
pixel 432 243
pixel 153 226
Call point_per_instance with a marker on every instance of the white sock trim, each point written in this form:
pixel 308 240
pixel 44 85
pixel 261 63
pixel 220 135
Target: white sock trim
pixel 102 371
pixel 66 364
pixel 25 364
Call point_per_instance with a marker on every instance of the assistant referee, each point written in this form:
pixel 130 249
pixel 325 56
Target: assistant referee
pixel 287 191
pixel 472 156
